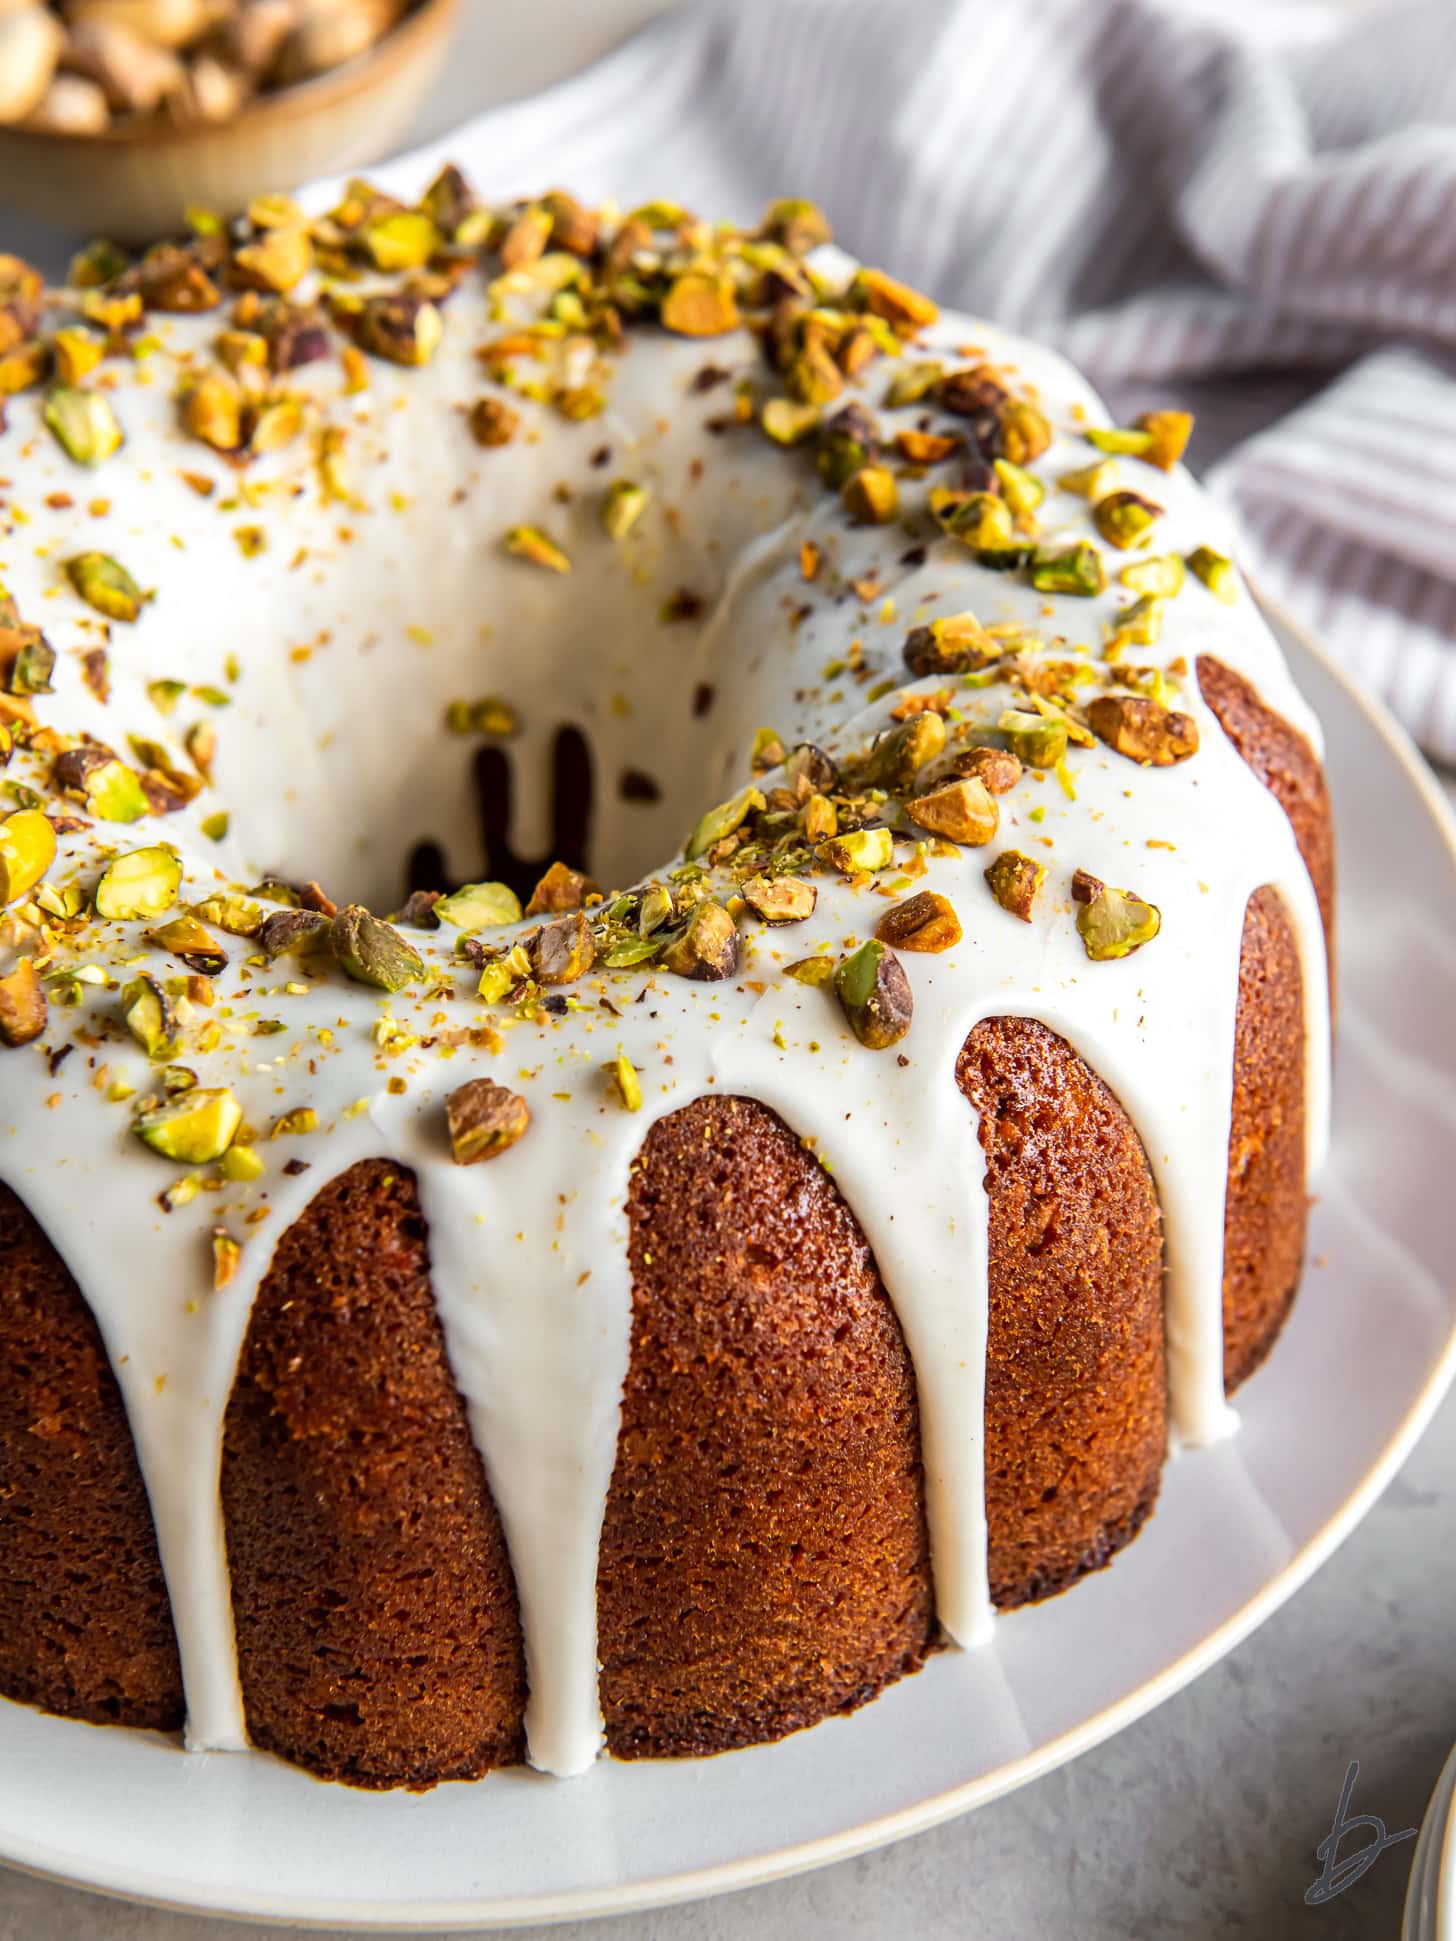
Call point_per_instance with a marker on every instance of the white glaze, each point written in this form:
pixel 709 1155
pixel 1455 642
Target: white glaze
pixel 333 764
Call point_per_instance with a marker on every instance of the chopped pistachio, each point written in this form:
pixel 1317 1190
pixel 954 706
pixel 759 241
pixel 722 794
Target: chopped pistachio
pixel 1139 625
pixel 848 442
pixel 700 304
pixel 1143 729
pixel 898 756
pixel 875 996
pixel 1033 738
pixel 1119 442
pixel 565 950
pixel 858 850
pixel 77 353
pixel 722 821
pixel 926 447
pixel 115 793
pixel 817 971
pixel 192 942
pixel 372 952
pixel 27 850
pixel 484 1120
pixel 281 258
pixel 492 422
pixel 212 411
pixel 912 382
pixel 1112 923
pixel 768 750
pixel 955 644
pixel 871 495
pixel 622 1075
pixel 530 543
pixel 194 1128
pixel 402 239
pixel 295 933
pixel 1217 573
pixel 139 885
pixel 478 906
pixel 979 519
pixel 147 1012
pixel 1161 576
pixel 105 585
pixel 780 899
pixel 401 327
pixel 1125 519
pixel 34 663
pixel 1091 481
pixel 1168 435
pixel 1023 491
pixel 22 1005
pixel 561 888
pixel 901 307
pixel 1075 569
pixel 297 1122
pixel 1015 881
pixel 84 424
pixel 787 422
pixel 242 1165
pixel 1025 433
pixel 622 507
pixel 962 811
pixel 707 949
pixel 998 768
pixel 925 922
pixel 813 377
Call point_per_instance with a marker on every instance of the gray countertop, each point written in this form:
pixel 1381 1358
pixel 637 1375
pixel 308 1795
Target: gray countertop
pixel 1201 1820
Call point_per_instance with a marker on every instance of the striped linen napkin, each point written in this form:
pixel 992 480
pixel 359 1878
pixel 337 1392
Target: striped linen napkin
pixel 1256 217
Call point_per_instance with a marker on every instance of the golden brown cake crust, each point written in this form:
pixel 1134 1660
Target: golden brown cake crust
pixel 379 1640
pixel 1076 1387
pixel 85 1625
pixel 1264 1212
pixel 764 1558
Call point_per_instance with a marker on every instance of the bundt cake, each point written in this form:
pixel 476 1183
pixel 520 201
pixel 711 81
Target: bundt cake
pixel 454 1310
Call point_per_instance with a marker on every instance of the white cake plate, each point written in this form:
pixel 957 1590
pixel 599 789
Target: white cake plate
pixel 1368 1354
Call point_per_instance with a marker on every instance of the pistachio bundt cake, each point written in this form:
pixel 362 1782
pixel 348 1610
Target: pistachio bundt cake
pixel 452 1312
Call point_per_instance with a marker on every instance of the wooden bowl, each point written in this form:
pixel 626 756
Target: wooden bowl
pixel 133 183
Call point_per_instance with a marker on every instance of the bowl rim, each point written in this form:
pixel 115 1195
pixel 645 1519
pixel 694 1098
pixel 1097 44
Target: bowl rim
pixel 425 22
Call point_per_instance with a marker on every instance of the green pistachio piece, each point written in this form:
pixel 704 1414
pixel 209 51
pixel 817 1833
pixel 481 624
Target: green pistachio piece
pixel 147 1012
pixel 1119 442
pixel 1125 519
pixel 478 906
pixel 707 950
pixel 84 424
pixel 1076 569
pixel 789 423
pixel 978 519
pixel 1112 923
pixel 912 382
pixel 962 811
pixel 561 888
pixel 858 850
pixel 1015 881
pixel 1025 432
pixel 241 1165
pixel 1217 573
pixel 623 506
pixel 530 543
pixel 105 585
pixel 780 899
pixel 898 756
pixel 1033 738
pixel 371 952
pixel 402 327
pixel 874 994
pixel 768 750
pixel 816 971
pixel 295 933
pixel 722 821
pixel 190 941
pixel 405 239
pixel 22 1005
pixel 623 952
pixel 871 495
pixel 813 377
pixel 895 303
pixel 700 304
pixel 1161 576
pixel 955 644
pixel 1091 481
pixel 1139 625
pixel 234 914
pixel 1023 491
pixel 27 850
pixel 139 885
pixel 194 1128
pixel 625 1083
pixel 484 1120
pixel 34 664
pixel 115 793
